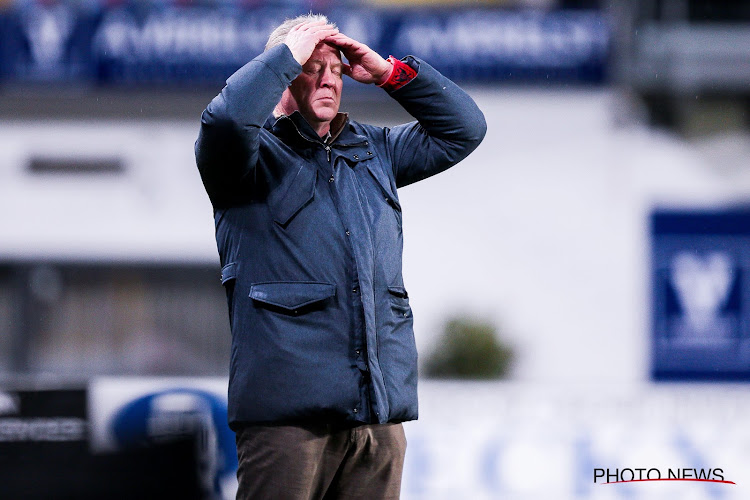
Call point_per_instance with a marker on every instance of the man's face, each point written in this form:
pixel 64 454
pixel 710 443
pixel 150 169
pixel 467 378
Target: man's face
pixel 317 90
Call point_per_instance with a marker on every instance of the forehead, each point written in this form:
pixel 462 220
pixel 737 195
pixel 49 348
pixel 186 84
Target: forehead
pixel 326 53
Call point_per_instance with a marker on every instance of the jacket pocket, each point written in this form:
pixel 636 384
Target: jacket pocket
pixel 382 181
pixel 228 279
pixel 292 297
pixel 293 195
pixel 399 301
pixel 228 273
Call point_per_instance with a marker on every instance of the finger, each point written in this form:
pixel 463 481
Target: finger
pixel 324 34
pixel 322 31
pixel 310 24
pixel 304 27
pixel 331 30
pixel 345 41
pixel 345 49
pixel 315 29
pixel 339 39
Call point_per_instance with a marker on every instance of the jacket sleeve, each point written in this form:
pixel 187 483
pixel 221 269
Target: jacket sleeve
pixel 226 151
pixel 449 126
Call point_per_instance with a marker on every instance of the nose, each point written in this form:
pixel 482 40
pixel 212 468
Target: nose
pixel 327 78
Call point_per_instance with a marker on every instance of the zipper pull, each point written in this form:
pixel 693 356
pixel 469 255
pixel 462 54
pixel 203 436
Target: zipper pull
pixel 328 152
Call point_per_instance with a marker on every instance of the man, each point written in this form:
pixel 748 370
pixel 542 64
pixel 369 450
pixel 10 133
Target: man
pixel 308 226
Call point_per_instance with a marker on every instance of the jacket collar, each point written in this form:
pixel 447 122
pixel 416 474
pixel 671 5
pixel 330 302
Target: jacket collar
pixel 293 127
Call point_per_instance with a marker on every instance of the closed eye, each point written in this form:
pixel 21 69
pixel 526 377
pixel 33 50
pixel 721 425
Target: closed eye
pixel 312 67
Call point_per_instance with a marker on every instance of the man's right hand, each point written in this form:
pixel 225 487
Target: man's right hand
pixel 303 38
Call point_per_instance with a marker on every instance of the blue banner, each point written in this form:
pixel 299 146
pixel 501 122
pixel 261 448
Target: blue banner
pixel 700 301
pixel 149 44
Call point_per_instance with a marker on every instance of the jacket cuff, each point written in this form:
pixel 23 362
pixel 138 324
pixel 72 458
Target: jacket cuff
pixel 253 90
pixel 401 74
pixel 278 60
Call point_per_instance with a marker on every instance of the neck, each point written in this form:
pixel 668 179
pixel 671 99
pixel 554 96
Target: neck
pixel 320 128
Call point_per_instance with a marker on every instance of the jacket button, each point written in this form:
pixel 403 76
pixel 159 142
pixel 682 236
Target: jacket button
pixel 355 410
pixel 354 290
pixel 348 233
pixel 356 157
pixel 369 153
pixel 330 179
pixel 358 352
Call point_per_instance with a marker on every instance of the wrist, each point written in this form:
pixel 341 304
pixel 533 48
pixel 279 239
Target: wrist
pixel 386 75
pixel 296 54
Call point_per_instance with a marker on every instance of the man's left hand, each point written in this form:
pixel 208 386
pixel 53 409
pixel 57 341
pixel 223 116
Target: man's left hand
pixel 365 65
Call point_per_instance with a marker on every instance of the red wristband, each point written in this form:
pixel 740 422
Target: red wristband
pixel 401 74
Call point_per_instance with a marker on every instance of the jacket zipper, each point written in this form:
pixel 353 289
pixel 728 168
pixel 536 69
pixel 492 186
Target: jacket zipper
pixel 327 147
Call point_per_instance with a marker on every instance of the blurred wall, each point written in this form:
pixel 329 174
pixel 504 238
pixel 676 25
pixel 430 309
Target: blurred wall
pixel 542 230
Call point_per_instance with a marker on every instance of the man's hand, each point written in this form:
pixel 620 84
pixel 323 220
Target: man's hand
pixel 303 38
pixel 365 65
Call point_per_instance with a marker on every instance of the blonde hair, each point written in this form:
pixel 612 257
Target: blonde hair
pixel 279 34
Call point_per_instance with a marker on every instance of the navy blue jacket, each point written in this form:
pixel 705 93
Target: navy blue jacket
pixel 310 241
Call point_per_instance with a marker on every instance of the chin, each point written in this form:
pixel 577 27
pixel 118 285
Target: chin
pixel 326 113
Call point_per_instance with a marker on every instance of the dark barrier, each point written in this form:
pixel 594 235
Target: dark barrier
pixel 45 453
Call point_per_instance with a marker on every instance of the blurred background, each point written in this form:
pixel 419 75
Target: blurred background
pixel 580 284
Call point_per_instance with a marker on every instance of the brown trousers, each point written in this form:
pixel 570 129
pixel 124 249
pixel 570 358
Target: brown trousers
pixel 320 462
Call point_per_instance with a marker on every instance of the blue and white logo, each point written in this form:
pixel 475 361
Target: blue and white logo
pixel 703 284
pixel 701 304
pixel 132 413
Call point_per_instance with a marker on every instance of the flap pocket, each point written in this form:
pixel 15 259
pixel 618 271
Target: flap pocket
pixel 291 296
pixel 298 192
pixel 357 154
pixel 398 291
pixel 228 272
pixel 385 186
